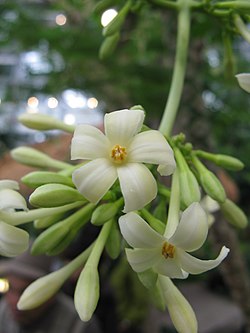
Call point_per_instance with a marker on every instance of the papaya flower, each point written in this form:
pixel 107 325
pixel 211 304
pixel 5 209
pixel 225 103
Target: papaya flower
pixel 120 153
pixel 169 256
pixel 244 81
pixel 13 240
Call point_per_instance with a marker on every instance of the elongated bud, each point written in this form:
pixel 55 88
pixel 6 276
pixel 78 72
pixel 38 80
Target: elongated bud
pixel 210 183
pixel 38 178
pixel 181 312
pixel 43 122
pixel 113 244
pixel 244 81
pixel 87 292
pixel 105 212
pixel 234 214
pixel 53 195
pixel 108 46
pixel 115 25
pixel 224 161
pixel 35 158
pixel 47 221
pixel 189 187
pixel 155 223
pixel 148 278
pixel 13 241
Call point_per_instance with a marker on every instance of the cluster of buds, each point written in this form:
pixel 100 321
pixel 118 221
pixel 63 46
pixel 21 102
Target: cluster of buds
pixel 116 188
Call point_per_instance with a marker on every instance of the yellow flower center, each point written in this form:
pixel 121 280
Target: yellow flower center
pixel 118 153
pixel 168 250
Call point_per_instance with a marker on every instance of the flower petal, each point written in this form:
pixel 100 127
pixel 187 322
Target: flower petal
pixel 137 184
pixel 196 266
pixel 152 147
pixel 88 143
pixel 142 259
pixel 10 200
pixel 244 81
pixel 192 230
pixel 94 179
pixel 170 267
pixel 138 233
pixel 9 183
pixel 13 241
pixel 120 126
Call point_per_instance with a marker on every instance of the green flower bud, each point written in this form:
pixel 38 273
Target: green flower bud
pixel 148 278
pixel 115 25
pixel 224 161
pixel 101 6
pixel 35 158
pixel 87 292
pixel 43 122
pixel 155 223
pixel 38 178
pixel 53 195
pixel 234 214
pixel 210 183
pixel 113 244
pixel 108 46
pixel 105 212
pixel 47 221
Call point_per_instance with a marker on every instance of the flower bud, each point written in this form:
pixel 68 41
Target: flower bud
pixel 102 5
pixel 38 178
pixel 35 158
pixel 53 195
pixel 48 221
pixel 43 122
pixel 148 278
pixel 105 212
pixel 108 46
pixel 224 161
pixel 210 183
pixel 87 292
pixel 13 241
pixel 234 214
pixel 181 312
pixel 113 244
pixel 189 187
pixel 244 81
pixel 115 25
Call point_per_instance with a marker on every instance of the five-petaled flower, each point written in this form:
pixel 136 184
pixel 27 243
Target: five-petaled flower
pixel 13 240
pixel 168 256
pixel 119 153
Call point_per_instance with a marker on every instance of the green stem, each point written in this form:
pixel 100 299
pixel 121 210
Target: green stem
pixel 242 28
pixel 169 115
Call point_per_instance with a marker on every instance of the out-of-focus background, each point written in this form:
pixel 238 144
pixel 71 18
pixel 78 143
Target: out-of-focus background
pixel 49 63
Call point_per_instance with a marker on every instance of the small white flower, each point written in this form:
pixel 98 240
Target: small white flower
pixel 168 256
pixel 120 154
pixel 244 81
pixel 13 241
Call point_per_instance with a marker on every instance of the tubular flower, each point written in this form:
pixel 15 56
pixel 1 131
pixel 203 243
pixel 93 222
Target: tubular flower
pixel 119 153
pixel 13 241
pixel 168 256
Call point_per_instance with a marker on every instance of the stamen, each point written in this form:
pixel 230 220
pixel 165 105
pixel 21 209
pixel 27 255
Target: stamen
pixel 168 250
pixel 118 154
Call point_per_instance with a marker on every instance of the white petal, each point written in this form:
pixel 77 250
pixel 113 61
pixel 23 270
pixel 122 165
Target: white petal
pixel 88 143
pixel 10 200
pixel 13 241
pixel 137 184
pixel 9 183
pixel 192 230
pixel 94 179
pixel 170 267
pixel 209 204
pixel 138 233
pixel 244 81
pixel 196 266
pixel 121 126
pixel 142 259
pixel 181 312
pixel 151 147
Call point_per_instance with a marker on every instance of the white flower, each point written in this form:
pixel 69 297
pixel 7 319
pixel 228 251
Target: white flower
pixel 120 154
pixel 168 256
pixel 244 81
pixel 13 241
